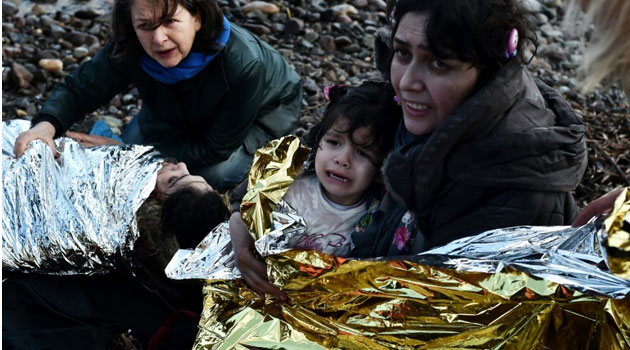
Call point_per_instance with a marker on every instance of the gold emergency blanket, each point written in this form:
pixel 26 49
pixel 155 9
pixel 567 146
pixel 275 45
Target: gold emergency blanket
pixel 404 305
pixel 618 229
pixel 517 288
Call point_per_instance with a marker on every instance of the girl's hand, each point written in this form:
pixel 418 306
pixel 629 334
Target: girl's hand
pixel 254 271
pixel 44 131
pixel 91 140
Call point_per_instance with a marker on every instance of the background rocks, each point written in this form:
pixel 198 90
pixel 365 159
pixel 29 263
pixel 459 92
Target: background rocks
pixel 327 42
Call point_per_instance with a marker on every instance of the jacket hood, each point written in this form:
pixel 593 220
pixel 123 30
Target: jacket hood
pixel 515 132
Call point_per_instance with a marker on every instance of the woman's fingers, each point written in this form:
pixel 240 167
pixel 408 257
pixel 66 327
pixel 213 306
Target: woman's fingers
pixel 599 206
pixel 44 131
pixel 254 273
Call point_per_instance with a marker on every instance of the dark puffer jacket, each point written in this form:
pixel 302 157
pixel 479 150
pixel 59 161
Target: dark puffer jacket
pixel 247 95
pixel 509 155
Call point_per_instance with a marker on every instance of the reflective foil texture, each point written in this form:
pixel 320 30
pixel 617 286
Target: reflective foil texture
pixel 513 288
pixel 273 170
pixel 75 214
pixel 618 235
pixel 212 259
pixel 517 288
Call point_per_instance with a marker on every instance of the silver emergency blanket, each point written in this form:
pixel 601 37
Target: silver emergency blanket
pixel 75 214
pixel 569 256
pixel 213 258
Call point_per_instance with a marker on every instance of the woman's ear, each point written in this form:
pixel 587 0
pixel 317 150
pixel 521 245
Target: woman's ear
pixel 197 22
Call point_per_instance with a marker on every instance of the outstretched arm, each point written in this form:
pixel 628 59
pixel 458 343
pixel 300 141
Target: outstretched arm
pixel 254 271
pixel 91 140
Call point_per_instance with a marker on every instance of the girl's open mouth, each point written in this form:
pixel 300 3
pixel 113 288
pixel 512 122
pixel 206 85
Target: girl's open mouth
pixel 338 177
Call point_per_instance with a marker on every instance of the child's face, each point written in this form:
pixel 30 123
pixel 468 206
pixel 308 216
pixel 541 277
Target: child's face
pixel 344 169
pixel 172 177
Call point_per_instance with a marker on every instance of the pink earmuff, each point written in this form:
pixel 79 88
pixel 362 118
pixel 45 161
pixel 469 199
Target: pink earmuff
pixel 512 45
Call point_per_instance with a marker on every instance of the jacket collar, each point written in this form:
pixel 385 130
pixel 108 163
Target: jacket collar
pixel 462 147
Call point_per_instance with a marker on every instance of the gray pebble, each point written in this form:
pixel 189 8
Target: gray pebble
pixel 342 41
pixel 327 43
pixel 80 52
pixel 294 26
pixel 311 36
pixel 310 86
pixel 127 98
pixel 9 8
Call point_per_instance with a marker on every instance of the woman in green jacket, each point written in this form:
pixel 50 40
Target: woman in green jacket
pixel 212 92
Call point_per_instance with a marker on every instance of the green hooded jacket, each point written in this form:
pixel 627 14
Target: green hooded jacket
pixel 247 95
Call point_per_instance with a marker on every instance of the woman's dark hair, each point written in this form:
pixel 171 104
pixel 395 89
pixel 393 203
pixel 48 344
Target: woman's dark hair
pixel 126 44
pixel 190 214
pixel 369 105
pixel 474 31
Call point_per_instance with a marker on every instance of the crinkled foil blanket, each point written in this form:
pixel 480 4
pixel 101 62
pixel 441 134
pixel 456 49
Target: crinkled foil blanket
pixel 513 288
pixel 75 214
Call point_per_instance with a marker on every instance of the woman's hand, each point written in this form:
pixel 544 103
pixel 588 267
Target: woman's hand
pixel 254 271
pixel 44 131
pixel 91 140
pixel 601 205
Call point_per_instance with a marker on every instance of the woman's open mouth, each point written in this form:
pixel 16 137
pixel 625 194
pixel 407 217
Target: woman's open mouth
pixel 165 53
pixel 415 108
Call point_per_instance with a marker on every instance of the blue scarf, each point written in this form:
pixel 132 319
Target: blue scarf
pixel 188 67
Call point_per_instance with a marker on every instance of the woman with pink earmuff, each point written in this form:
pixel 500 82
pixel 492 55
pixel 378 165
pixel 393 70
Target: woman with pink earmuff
pixel 482 143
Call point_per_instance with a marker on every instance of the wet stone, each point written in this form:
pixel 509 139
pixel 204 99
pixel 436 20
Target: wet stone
pixel 51 65
pixel 307 44
pixel 47 54
pixel 277 28
pixel 11 51
pixel 19 76
pixel 327 43
pixel 379 4
pixel 9 8
pixel 80 52
pixel 550 32
pixel 127 98
pixel 46 21
pixel 257 29
pixel 294 26
pixel 311 36
pixel 264 7
pixel 313 17
pixel 359 3
pixel 344 19
pixel 344 10
pixel 88 13
pixel 57 31
pixel 343 40
pixel 351 49
pixel 310 86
